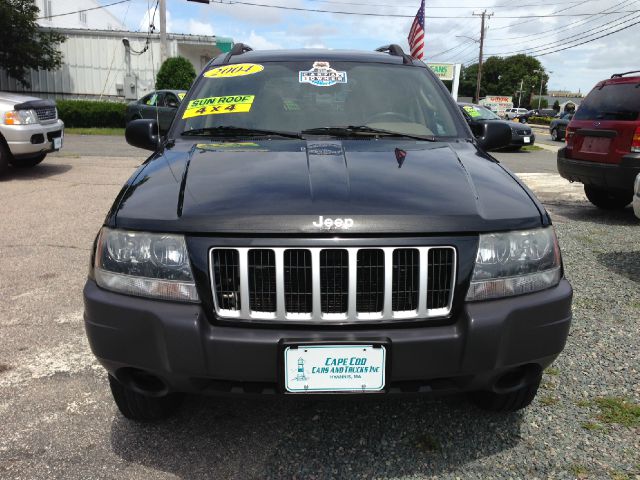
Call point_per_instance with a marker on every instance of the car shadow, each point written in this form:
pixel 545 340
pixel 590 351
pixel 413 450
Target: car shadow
pixel 282 438
pixel 44 170
pixel 585 212
pixel 623 263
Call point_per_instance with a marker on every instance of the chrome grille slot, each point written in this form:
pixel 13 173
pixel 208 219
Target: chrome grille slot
pixel 439 275
pixel 370 281
pixel 262 280
pixel 298 295
pixel 333 285
pixel 406 269
pixel 46 113
pixel 334 281
pixel 226 275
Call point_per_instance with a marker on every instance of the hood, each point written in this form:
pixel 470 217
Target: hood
pixel 519 126
pixel 294 186
pixel 13 98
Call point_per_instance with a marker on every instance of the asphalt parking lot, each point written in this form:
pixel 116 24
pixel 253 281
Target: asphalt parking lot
pixel 57 419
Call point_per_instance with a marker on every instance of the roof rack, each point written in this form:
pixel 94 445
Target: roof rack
pixel 237 49
pixel 618 75
pixel 396 50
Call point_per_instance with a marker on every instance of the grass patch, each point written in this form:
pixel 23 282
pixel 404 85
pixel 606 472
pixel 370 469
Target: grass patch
pixel 548 400
pixel 94 131
pixel 591 426
pixel 583 403
pixel 578 471
pixel 531 148
pixel 620 476
pixel 548 385
pixel 552 371
pixel 618 410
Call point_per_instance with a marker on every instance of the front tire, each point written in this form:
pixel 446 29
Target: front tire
pixel 5 158
pixel 608 199
pixel 507 402
pixel 142 408
pixel 28 162
pixel 554 135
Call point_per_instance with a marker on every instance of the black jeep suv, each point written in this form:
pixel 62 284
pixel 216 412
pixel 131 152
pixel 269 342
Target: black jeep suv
pixel 322 222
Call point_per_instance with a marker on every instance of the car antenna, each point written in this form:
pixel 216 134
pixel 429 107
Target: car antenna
pixel 237 49
pixel 397 51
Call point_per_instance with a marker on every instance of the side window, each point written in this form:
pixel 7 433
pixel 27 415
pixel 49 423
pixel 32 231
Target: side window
pixel 171 101
pixel 150 99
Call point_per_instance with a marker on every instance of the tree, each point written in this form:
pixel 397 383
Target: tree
pixel 176 73
pixel 556 106
pixel 503 76
pixel 23 45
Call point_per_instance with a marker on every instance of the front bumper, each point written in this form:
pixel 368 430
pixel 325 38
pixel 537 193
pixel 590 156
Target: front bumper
pixel 178 344
pixel 604 175
pixel 519 140
pixel 28 140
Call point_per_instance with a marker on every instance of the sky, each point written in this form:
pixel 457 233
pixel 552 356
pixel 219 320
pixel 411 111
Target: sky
pixel 575 69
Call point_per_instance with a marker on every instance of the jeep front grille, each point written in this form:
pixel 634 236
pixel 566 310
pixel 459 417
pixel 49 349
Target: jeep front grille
pixel 332 284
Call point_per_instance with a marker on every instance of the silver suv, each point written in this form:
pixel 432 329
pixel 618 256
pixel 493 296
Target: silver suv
pixel 511 113
pixel 29 129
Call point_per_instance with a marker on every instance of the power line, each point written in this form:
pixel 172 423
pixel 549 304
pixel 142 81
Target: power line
pixel 397 15
pixel 436 7
pixel 83 10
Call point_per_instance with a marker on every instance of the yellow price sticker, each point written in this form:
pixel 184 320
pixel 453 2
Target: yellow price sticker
pixel 219 105
pixel 181 95
pixel 238 70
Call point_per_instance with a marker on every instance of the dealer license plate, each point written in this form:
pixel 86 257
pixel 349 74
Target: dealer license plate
pixel 527 139
pixel 57 143
pixel 334 368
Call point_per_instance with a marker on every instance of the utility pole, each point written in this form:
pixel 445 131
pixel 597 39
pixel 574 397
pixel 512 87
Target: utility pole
pixel 482 30
pixel 163 30
pixel 520 92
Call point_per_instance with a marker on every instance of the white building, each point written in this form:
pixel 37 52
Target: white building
pixel 82 14
pixel 104 61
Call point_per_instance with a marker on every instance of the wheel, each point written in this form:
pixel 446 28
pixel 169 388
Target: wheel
pixel 5 158
pixel 507 402
pixel 554 135
pixel 28 162
pixel 608 199
pixel 142 408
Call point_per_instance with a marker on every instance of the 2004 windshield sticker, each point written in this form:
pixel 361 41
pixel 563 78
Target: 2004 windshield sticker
pixel 219 105
pixel 322 75
pixel 238 70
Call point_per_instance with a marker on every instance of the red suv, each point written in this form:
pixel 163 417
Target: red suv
pixel 603 142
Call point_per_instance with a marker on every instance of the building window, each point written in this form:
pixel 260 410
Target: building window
pixel 47 9
pixel 83 16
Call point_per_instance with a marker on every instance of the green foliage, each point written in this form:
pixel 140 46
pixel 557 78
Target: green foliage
pixel 176 73
pixel 502 76
pixel 543 102
pixel 87 113
pixel 618 410
pixel 556 106
pixel 22 45
pixel 540 121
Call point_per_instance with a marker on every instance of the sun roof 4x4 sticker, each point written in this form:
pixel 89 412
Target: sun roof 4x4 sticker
pixel 239 70
pixel 219 105
pixel 322 75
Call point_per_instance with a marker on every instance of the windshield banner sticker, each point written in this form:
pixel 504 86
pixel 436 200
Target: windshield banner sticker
pixel 219 105
pixel 322 75
pixel 471 111
pixel 239 70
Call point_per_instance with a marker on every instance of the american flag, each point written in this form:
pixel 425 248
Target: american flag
pixel 416 34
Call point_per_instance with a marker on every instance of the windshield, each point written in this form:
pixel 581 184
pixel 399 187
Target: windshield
pixel 477 112
pixel 297 96
pixel 616 101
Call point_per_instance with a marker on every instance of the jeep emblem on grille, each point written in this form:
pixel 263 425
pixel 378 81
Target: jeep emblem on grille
pixel 327 223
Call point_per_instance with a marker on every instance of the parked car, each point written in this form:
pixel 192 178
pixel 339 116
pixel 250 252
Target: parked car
pixel 276 242
pixel 547 112
pixel 511 113
pixel 477 116
pixel 558 127
pixel 161 104
pixel 29 129
pixel 636 196
pixel 603 142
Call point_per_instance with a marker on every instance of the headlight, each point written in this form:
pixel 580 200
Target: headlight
pixel 513 263
pixel 145 264
pixel 20 117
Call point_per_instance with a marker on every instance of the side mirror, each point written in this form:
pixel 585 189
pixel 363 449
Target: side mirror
pixel 494 135
pixel 143 133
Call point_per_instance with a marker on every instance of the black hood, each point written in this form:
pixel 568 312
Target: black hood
pixel 284 186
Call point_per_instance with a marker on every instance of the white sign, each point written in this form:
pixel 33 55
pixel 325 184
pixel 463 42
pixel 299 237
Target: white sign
pixel 322 75
pixel 334 368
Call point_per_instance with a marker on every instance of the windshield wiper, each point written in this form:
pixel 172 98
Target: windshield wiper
pixel 356 130
pixel 225 130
